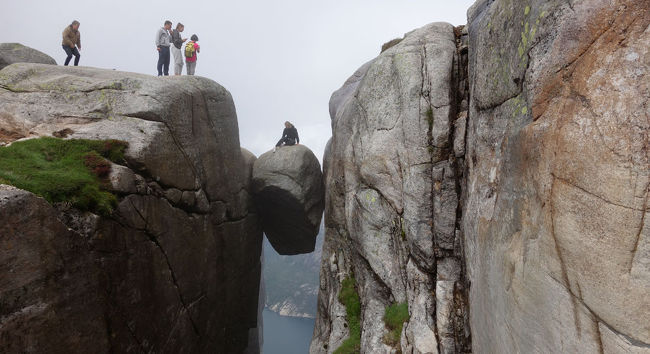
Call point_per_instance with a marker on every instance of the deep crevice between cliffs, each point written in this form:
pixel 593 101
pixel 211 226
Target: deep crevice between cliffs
pixel 458 323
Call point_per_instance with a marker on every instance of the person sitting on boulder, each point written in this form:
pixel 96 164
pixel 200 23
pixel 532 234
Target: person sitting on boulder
pixel 289 136
pixel 72 38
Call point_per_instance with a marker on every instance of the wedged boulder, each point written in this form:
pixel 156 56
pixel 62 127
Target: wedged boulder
pixel 176 266
pixel 11 53
pixel 288 192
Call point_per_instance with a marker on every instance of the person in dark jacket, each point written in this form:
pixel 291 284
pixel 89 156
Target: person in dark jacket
pixel 72 41
pixel 289 136
pixel 177 41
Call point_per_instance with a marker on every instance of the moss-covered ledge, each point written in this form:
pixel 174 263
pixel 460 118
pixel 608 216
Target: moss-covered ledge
pixel 74 171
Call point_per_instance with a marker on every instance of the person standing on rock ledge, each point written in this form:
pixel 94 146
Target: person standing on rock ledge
pixel 289 136
pixel 191 48
pixel 163 41
pixel 72 38
pixel 178 41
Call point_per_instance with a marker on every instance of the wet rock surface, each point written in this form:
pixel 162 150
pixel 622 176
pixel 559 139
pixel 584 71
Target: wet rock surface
pixel 289 195
pixel 176 267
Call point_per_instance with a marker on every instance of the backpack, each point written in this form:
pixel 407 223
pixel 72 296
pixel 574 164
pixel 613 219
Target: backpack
pixel 189 49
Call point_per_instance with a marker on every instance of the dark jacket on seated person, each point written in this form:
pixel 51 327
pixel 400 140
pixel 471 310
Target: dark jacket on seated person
pixel 289 137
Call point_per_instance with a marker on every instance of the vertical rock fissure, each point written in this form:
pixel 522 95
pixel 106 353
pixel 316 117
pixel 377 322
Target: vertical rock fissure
pixel 173 275
pixel 155 241
pixel 460 99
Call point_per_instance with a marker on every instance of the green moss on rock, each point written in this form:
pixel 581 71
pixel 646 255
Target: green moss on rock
pixel 394 318
pixel 350 298
pixel 58 170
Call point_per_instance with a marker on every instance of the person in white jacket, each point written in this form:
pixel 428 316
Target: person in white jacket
pixel 177 44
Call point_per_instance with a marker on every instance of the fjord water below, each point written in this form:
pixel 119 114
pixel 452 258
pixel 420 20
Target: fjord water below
pixel 286 335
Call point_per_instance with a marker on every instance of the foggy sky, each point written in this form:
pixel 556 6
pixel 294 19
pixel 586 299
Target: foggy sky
pixel 281 60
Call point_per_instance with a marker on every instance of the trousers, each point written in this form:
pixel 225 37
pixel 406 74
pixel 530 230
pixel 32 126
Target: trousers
pixel 163 61
pixel 178 60
pixel 287 141
pixel 191 66
pixel 70 52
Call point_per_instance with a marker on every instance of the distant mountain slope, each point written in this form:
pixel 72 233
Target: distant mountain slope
pixel 291 282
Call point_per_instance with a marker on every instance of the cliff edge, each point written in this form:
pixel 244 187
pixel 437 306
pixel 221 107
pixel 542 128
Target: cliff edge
pixel 174 266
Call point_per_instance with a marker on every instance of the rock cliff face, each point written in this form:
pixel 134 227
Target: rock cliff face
pixel 393 188
pixel 11 53
pixel 176 267
pixel 520 213
pixel 556 219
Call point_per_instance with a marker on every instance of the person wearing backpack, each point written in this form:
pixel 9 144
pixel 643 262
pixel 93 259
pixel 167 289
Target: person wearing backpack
pixel 72 38
pixel 289 136
pixel 178 41
pixel 163 40
pixel 191 48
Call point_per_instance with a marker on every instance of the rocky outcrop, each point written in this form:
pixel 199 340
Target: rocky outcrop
pixel 176 267
pixel 288 191
pixel 11 53
pixel 534 192
pixel 556 219
pixel 393 172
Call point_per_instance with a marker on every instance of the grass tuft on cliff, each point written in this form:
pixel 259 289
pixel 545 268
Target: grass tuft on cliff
pixel 394 318
pixel 350 298
pixel 58 170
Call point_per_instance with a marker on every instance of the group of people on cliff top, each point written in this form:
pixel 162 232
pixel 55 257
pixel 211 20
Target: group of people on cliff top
pixel 165 38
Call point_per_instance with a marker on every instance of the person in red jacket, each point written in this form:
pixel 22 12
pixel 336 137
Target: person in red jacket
pixel 191 60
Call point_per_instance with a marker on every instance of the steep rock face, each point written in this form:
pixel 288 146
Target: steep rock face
pixel 11 53
pixel 176 268
pixel 288 190
pixel 38 255
pixel 392 181
pixel 556 219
